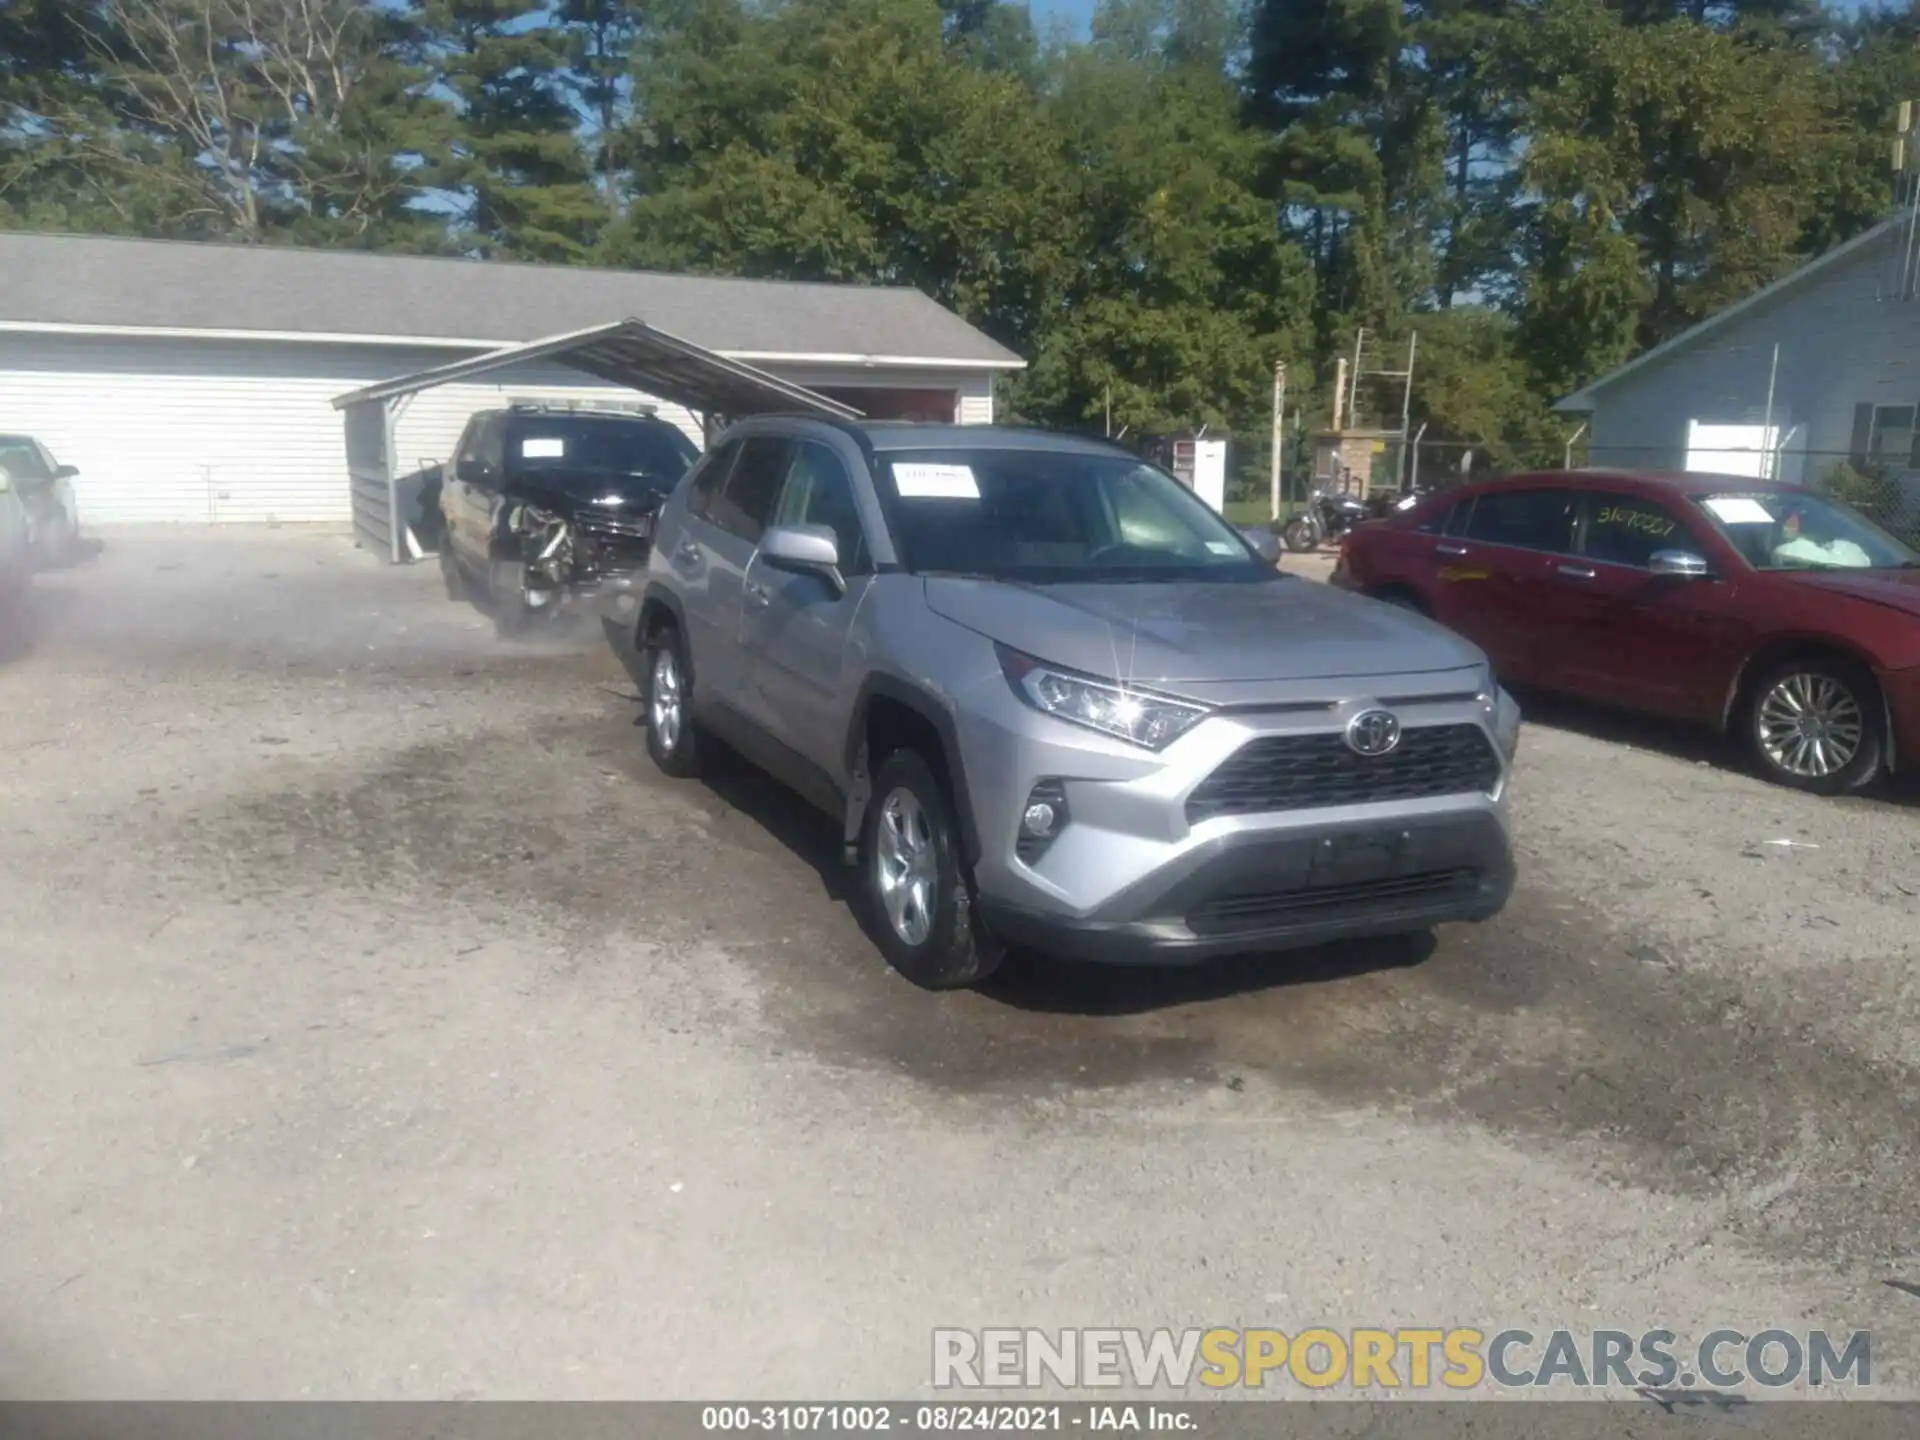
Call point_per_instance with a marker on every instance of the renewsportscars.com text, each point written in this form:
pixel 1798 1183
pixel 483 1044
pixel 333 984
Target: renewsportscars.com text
pixel 1403 1358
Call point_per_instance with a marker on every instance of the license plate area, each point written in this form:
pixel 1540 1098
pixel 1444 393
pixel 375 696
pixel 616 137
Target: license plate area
pixel 1361 856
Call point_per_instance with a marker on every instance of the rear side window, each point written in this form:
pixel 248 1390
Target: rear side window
pixel 708 478
pixel 1626 529
pixel 1524 519
pixel 744 506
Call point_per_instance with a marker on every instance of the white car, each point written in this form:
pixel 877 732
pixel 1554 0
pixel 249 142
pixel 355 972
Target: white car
pixel 16 542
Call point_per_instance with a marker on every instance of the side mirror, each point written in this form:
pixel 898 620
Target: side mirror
pixel 65 472
pixel 805 550
pixel 1680 564
pixel 472 472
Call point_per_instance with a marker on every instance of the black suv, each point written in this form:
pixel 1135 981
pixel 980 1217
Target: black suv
pixel 544 502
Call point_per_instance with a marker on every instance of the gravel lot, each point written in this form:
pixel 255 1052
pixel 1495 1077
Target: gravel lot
pixel 377 1024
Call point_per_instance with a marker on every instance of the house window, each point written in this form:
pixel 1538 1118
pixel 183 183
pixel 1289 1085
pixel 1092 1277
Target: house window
pixel 1884 435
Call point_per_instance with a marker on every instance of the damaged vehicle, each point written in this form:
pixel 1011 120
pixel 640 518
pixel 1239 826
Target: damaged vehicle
pixel 544 504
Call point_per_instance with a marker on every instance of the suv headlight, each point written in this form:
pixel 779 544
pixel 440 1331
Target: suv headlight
pixel 1145 719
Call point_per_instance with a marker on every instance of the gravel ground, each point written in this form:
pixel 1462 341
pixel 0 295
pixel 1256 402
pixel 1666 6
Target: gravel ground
pixel 377 1024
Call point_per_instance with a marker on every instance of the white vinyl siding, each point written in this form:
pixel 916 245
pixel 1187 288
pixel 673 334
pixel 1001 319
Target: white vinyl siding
pixel 976 400
pixel 232 431
pixel 239 431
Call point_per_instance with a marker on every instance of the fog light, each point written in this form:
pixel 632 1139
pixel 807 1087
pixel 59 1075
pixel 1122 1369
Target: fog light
pixel 1041 822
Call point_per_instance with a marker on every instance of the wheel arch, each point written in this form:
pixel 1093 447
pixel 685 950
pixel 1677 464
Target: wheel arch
pixel 660 608
pixel 896 710
pixel 1782 648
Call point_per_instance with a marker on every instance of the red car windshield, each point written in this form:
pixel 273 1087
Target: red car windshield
pixel 1795 530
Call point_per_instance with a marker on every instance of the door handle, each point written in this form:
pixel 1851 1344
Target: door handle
pixel 756 593
pixel 1575 572
pixel 687 553
pixel 1443 548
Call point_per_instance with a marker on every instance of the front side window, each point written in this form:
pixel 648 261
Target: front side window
pixel 1627 530
pixel 1799 530
pixel 820 492
pixel 1046 516
pixel 1524 519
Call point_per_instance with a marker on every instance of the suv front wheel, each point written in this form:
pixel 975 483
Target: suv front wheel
pixel 671 739
pixel 915 883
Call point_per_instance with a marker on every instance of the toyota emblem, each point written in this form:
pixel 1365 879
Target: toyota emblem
pixel 1373 732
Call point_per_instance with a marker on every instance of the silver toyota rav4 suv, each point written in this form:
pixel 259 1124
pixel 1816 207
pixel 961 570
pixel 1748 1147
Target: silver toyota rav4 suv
pixel 1054 699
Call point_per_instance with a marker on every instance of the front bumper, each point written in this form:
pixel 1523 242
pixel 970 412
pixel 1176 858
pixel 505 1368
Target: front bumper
pixel 1147 866
pixel 1266 892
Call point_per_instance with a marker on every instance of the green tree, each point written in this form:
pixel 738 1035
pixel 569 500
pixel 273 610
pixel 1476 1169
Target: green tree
pixel 223 117
pixel 1183 294
pixel 843 140
pixel 515 168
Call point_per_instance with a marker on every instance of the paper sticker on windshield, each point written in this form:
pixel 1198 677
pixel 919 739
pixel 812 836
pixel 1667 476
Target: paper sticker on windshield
pixel 935 482
pixel 1222 547
pixel 1738 510
pixel 543 447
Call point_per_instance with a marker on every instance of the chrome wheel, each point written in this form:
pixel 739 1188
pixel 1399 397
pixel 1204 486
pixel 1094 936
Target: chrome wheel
pixel 666 700
pixel 1810 725
pixel 906 870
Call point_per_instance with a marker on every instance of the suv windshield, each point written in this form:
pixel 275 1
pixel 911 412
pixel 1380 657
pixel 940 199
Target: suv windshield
pixel 1044 516
pixel 1798 530
pixel 596 447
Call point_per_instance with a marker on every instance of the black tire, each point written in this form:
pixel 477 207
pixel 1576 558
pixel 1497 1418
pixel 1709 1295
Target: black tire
pixel 451 575
pixel 1404 600
pixel 909 828
pixel 1839 703
pixel 512 616
pixel 1300 536
pixel 673 740
pixel 60 545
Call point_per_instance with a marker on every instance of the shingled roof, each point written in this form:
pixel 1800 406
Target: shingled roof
pixel 113 283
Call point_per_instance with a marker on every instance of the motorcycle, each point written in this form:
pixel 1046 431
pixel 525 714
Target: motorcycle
pixel 1327 517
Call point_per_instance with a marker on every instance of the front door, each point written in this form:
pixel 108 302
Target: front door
pixel 1661 643
pixel 794 627
pixel 1495 581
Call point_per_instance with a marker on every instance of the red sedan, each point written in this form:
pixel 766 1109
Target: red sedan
pixel 1769 611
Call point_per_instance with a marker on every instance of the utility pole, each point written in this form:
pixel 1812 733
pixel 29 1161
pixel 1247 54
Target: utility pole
pixel 1279 436
pixel 1766 426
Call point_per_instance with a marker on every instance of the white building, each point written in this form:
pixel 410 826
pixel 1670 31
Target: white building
pixel 194 383
pixel 1819 368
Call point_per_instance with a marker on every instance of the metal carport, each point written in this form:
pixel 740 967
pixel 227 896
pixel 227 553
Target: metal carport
pixel 626 352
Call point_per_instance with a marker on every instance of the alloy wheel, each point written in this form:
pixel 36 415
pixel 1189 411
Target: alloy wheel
pixel 1810 725
pixel 665 700
pixel 906 869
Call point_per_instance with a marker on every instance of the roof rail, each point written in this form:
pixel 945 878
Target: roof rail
pixel 535 406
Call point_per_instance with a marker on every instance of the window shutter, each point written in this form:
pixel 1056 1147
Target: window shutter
pixel 1862 434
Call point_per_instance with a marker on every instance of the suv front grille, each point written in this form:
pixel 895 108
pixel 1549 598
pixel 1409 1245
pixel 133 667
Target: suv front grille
pixel 1309 772
pixel 1240 914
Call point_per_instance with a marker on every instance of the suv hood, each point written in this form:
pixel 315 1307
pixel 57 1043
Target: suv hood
pixel 1896 589
pixel 1282 629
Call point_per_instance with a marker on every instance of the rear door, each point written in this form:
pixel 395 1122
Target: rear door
pixel 724 525
pixel 1495 584
pixel 1651 642
pixel 794 627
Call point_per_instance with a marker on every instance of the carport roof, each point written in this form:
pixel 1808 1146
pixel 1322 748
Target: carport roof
pixel 95 283
pixel 635 354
